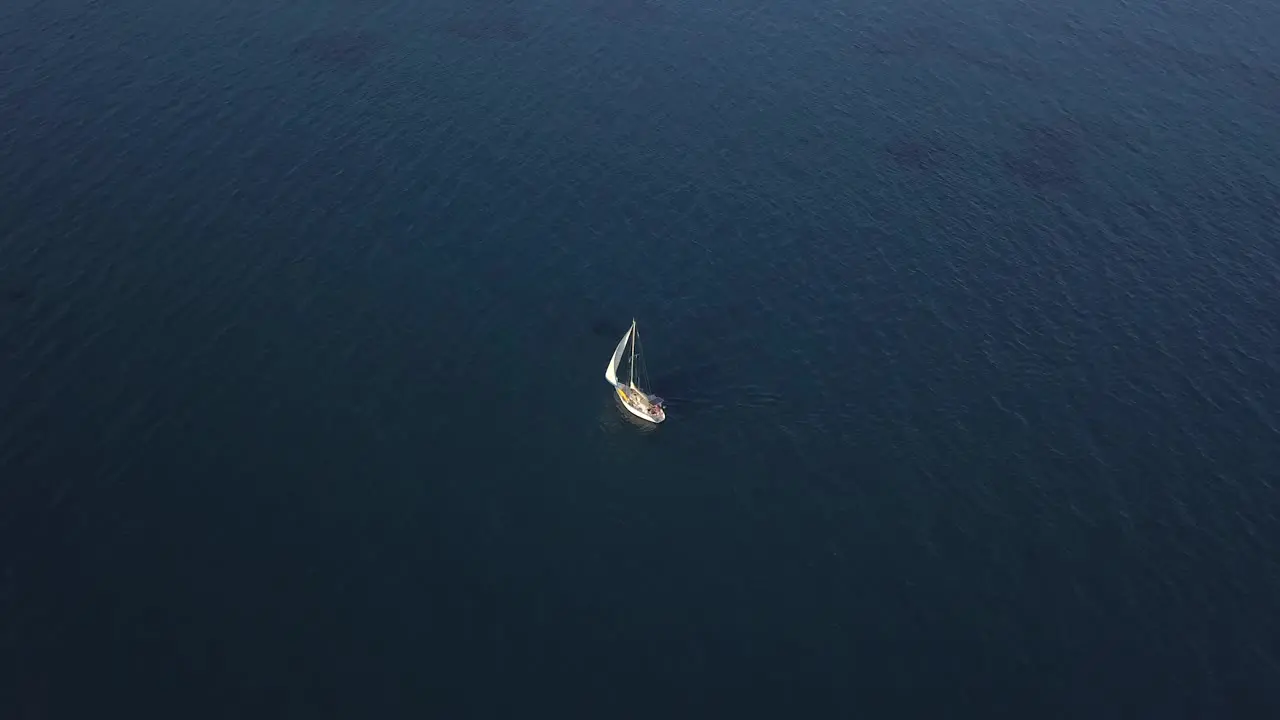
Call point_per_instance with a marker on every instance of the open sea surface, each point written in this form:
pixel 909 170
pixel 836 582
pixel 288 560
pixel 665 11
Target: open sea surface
pixel 968 316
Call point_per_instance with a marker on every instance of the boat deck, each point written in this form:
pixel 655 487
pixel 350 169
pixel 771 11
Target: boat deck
pixel 638 403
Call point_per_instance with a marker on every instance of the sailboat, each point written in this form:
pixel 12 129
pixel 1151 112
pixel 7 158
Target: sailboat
pixel 643 405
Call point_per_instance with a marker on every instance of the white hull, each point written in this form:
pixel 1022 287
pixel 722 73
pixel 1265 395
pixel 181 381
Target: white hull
pixel 655 419
pixel 638 403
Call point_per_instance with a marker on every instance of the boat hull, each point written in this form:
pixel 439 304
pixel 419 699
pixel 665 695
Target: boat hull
pixel 655 419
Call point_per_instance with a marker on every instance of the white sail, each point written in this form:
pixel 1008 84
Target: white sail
pixel 637 401
pixel 611 372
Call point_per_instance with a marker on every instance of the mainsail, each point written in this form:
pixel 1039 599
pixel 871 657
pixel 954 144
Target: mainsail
pixel 611 372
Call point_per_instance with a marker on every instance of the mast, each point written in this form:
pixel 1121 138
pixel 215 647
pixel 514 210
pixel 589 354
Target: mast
pixel 633 353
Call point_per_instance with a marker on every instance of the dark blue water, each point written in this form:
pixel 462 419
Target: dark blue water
pixel 967 315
